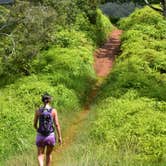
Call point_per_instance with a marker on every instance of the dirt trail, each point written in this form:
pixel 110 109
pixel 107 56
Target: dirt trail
pixel 105 56
pixel 103 61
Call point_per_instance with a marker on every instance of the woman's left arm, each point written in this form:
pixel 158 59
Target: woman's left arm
pixel 35 119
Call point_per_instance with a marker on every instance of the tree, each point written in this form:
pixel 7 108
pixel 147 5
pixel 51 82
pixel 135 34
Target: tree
pixel 29 26
pixel 26 31
pixel 89 8
pixel 163 6
pixel 142 2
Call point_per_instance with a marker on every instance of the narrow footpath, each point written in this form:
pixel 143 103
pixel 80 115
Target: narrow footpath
pixel 103 61
pixel 104 57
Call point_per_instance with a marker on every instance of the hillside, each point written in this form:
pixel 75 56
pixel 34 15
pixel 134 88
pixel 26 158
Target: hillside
pixel 59 61
pixel 115 96
pixel 126 126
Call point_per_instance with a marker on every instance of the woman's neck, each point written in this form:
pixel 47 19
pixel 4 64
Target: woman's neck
pixel 46 105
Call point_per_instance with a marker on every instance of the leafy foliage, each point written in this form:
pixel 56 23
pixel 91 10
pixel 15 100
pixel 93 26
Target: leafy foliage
pixel 135 1
pixel 103 27
pixel 57 58
pixel 131 104
pixel 4 14
pixel 33 26
pixel 142 16
pixel 117 10
pixel 30 28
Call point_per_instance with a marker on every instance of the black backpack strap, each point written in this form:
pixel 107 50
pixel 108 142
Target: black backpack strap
pixel 41 109
pixel 50 109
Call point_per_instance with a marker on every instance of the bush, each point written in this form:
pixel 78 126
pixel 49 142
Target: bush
pixel 132 125
pixel 78 62
pixel 72 39
pixel 103 27
pixel 145 16
pixel 4 13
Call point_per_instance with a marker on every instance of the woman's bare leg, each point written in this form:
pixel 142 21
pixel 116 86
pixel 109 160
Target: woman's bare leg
pixel 40 156
pixel 48 155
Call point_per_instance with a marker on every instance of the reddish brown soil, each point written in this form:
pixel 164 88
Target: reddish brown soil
pixel 105 56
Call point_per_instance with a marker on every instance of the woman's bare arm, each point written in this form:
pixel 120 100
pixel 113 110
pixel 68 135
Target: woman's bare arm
pixel 35 119
pixel 56 123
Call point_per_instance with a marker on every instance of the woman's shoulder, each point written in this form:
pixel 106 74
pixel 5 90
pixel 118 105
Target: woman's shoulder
pixel 38 110
pixel 54 112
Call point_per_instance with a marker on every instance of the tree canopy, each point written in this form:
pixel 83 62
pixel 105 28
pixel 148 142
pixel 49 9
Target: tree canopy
pixel 135 1
pixel 144 2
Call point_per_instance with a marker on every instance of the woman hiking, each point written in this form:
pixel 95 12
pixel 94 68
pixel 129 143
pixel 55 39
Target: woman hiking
pixel 45 139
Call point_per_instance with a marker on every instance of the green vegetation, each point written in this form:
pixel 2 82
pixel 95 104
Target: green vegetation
pixel 135 1
pixel 127 125
pixel 104 27
pixel 43 48
pixel 44 51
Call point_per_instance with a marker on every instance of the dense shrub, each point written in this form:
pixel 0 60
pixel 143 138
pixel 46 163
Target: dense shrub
pixel 4 14
pixel 145 16
pixel 103 27
pixel 78 62
pixel 73 38
pixel 132 125
pixel 28 30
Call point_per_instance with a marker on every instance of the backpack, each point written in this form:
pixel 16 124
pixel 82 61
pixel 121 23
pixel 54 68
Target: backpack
pixel 45 121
